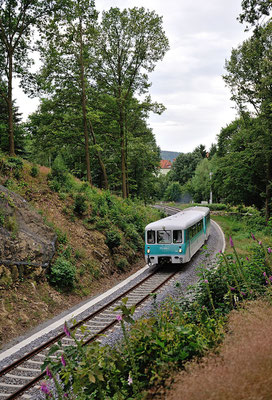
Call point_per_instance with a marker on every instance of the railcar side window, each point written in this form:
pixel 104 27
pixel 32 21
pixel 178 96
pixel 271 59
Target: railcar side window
pixel 150 237
pixel 164 237
pixel 177 236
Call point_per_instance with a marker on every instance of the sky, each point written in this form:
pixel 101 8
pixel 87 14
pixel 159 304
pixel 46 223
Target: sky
pixel 188 81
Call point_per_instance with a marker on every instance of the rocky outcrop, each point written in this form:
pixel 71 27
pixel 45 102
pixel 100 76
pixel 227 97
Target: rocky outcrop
pixel 25 240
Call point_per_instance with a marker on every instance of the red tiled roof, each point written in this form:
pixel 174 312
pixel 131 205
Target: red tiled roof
pixel 165 164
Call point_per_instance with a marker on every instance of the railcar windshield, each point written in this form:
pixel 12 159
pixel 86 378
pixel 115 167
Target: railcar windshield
pixel 164 237
pixel 150 237
pixel 177 236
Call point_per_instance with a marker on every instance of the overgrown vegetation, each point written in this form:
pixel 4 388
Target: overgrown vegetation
pixel 120 222
pixel 177 331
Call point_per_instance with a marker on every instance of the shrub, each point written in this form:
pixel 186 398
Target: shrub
pixel 59 178
pixel 2 219
pixel 113 239
pixel 133 236
pixel 34 171
pixel 62 237
pixel 121 263
pixel 80 205
pixel 62 273
pixel 103 224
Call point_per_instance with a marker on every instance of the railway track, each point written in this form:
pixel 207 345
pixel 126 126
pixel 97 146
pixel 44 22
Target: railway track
pixel 17 378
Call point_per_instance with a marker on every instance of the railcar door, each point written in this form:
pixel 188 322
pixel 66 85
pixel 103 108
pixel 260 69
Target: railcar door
pixel 188 234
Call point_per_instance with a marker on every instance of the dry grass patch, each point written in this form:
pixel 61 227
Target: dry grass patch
pixel 243 370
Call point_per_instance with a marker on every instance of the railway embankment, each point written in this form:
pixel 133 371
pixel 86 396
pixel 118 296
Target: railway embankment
pixel 61 241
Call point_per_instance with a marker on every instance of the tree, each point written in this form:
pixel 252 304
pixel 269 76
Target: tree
pixel 17 21
pixel 254 10
pixel 201 182
pixel 173 192
pixel 67 50
pixel 249 78
pixel 131 41
pixel 185 165
pixel 238 165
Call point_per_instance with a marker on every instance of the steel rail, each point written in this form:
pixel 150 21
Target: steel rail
pixel 45 345
pixel 54 339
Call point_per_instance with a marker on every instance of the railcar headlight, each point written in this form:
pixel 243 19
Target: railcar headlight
pixel 148 251
pixel 180 250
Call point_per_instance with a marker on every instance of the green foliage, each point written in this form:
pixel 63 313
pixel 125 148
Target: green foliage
pixel 34 171
pixel 173 192
pixel 133 237
pixel 62 273
pixel 11 166
pixel 176 332
pixel 113 239
pixel 62 236
pixel 121 263
pixel 201 181
pixel 80 205
pixel 11 224
pixel 2 218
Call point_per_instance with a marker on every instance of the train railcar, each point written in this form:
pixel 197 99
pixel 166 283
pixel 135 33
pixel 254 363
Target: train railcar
pixel 175 239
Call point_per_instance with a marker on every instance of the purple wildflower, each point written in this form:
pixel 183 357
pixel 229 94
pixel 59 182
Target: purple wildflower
pixel 206 281
pixel 232 289
pixel 66 330
pixel 253 237
pixel 130 380
pixel 49 373
pixel 243 293
pixel 63 360
pixel 45 388
pixel 264 273
pixel 260 243
pixel 270 278
pixel 119 317
pixel 171 313
pixel 247 258
pixel 231 242
pixel 220 251
pixel 269 250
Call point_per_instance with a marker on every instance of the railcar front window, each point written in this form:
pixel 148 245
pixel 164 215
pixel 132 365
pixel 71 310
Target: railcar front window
pixel 164 237
pixel 150 237
pixel 177 236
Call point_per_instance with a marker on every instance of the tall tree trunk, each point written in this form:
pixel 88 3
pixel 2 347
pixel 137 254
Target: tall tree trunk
pixel 84 109
pixel 10 110
pixel 123 151
pixel 102 165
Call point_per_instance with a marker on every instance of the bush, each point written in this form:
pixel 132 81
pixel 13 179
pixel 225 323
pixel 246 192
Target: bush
pixel 113 239
pixel 133 236
pixel 80 205
pixel 62 273
pixel 59 178
pixel 34 171
pixel 121 263
pixel 103 224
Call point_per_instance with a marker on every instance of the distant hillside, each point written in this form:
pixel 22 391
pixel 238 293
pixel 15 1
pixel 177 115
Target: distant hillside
pixel 169 155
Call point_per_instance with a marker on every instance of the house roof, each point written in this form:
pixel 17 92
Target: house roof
pixel 165 164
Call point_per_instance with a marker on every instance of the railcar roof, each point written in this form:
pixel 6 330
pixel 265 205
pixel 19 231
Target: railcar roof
pixel 181 220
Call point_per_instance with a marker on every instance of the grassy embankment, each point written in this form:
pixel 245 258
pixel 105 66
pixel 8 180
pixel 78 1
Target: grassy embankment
pixel 100 238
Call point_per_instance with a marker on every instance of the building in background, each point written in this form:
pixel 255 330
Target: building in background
pixel 165 166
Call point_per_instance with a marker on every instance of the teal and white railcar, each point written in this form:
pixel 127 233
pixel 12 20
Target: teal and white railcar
pixel 175 239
